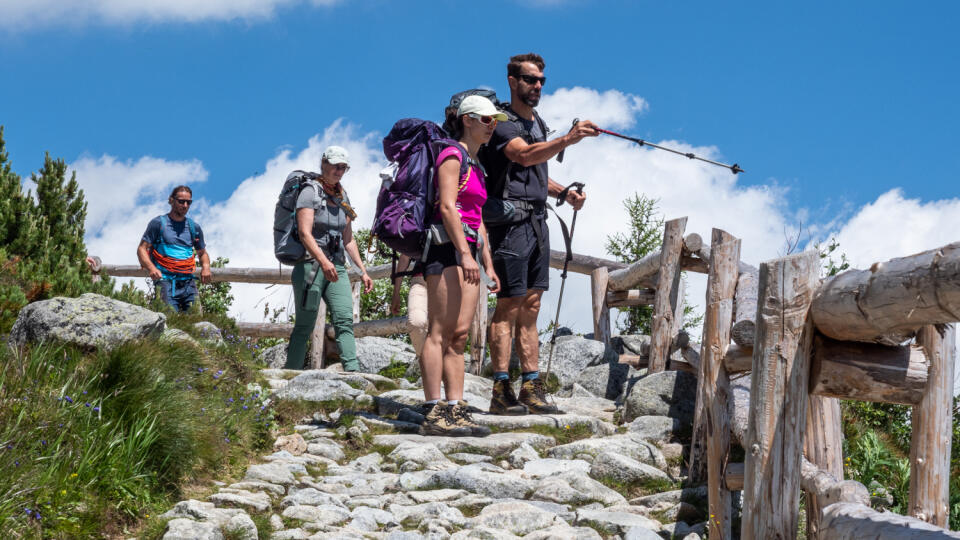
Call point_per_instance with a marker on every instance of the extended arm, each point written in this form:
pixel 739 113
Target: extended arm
pixel 205 274
pixel 518 151
pixel 143 255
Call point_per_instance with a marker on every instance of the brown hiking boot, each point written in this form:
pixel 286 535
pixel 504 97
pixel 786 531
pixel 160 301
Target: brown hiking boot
pixel 461 411
pixel 504 401
pixel 534 396
pixel 441 421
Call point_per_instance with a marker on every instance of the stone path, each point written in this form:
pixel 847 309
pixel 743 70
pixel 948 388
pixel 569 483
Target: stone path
pixel 357 471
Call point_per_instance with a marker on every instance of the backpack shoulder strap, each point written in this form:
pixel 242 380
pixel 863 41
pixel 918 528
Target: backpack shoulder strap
pixel 194 237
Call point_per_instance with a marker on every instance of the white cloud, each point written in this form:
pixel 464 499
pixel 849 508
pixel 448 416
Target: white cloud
pixel 240 226
pixel 20 14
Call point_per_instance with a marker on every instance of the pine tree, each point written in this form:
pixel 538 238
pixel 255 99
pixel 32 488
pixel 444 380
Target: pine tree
pixel 645 236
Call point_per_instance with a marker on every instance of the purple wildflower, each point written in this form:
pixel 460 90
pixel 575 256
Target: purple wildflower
pixel 244 407
pixel 68 399
pixel 96 409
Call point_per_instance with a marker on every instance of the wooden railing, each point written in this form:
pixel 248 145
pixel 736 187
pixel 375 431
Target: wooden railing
pixel 804 343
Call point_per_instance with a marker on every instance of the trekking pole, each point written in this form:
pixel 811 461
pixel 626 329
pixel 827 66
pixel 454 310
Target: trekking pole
pixel 560 155
pixel 735 168
pixel 578 186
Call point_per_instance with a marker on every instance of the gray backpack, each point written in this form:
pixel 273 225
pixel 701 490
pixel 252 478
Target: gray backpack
pixel 286 241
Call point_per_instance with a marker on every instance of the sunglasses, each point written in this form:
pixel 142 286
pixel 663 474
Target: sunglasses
pixel 530 79
pixel 187 202
pixel 485 120
pixel 339 166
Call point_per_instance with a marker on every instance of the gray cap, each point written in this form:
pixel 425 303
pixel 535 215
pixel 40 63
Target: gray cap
pixel 336 155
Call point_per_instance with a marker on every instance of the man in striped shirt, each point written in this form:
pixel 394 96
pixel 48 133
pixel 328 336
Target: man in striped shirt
pixel 169 248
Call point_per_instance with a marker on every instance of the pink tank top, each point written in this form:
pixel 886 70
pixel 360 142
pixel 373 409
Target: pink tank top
pixel 472 193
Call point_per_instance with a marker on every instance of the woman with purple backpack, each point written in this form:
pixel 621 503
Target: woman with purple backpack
pixel 451 270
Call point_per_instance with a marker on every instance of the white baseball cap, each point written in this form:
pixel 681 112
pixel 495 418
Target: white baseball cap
pixel 481 106
pixel 336 155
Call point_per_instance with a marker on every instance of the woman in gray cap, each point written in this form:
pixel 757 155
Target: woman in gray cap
pixel 324 217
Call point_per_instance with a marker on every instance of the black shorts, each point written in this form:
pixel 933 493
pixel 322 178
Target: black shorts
pixel 442 256
pixel 518 259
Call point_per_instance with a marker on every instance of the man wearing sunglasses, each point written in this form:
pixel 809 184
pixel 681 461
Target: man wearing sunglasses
pixel 168 251
pixel 516 161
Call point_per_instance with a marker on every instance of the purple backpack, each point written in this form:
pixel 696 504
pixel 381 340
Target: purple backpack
pixel 405 206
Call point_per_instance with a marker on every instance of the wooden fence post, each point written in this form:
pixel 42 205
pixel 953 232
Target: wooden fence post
pixel 665 302
pixel 778 396
pixel 601 312
pixel 713 385
pixel 317 337
pixel 932 430
pixel 823 447
pixel 355 289
pixel 478 333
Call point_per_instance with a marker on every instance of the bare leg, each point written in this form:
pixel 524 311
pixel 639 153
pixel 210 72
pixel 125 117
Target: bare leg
pixel 504 319
pixel 431 359
pixel 457 325
pixel 528 340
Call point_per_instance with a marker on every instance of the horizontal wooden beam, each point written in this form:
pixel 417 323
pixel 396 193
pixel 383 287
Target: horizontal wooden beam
pixel 633 297
pixel 892 300
pixel 846 520
pixel 738 359
pixel 733 476
pixel 380 327
pixel 868 371
pixel 828 488
pixel 281 275
pixel 643 273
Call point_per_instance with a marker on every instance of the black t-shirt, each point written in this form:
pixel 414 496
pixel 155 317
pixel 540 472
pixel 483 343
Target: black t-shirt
pixel 523 183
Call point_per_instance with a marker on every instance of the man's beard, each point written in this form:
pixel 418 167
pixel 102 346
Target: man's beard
pixel 531 99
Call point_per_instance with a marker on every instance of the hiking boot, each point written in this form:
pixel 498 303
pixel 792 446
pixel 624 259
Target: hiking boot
pixel 415 414
pixel 441 421
pixel 461 411
pixel 534 396
pixel 504 401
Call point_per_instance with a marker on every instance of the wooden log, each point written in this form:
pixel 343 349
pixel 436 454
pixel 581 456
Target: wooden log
pixel 851 521
pixel 932 430
pixel 632 297
pixel 738 359
pixel 892 300
pixel 745 306
pixel 733 477
pixel 317 338
pixel 258 330
pixel 689 263
pixel 355 290
pixel 677 329
pixel 644 271
pixel 666 300
pixel 478 333
pixel 581 264
pixel 601 313
pixel 868 371
pixel 713 385
pixel 778 396
pixel 828 489
pixel 823 447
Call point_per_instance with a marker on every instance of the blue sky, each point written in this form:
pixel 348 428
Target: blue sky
pixel 843 114
pixel 839 101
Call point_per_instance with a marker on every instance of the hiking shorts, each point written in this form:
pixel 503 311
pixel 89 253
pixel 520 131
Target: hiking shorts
pixel 442 256
pixel 177 293
pixel 519 259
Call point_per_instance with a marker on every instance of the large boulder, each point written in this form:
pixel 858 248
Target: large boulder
pixel 667 393
pixel 606 380
pixel 317 386
pixel 375 353
pixel 572 355
pixel 91 321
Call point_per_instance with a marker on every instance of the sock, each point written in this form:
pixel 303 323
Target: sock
pixel 530 375
pixel 453 401
pixel 431 402
pixel 501 376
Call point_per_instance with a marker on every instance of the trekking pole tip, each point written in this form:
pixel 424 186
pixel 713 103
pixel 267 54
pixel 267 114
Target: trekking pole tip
pixel 736 168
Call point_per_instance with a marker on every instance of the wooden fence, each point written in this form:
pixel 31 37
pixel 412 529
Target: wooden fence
pixel 885 334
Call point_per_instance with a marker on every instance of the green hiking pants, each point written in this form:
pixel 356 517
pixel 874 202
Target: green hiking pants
pixel 339 299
